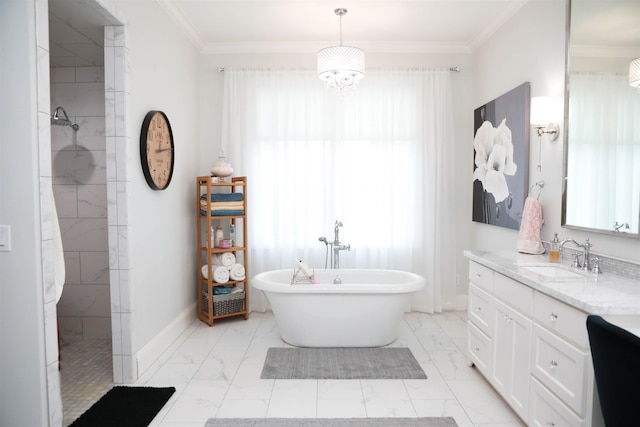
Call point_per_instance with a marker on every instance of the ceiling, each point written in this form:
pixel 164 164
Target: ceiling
pixel 268 26
pixel 274 26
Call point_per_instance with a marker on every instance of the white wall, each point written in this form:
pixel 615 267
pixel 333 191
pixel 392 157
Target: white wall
pixel 23 381
pixel 531 47
pixel 163 74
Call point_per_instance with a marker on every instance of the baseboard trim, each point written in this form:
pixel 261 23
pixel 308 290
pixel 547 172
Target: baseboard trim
pixel 158 344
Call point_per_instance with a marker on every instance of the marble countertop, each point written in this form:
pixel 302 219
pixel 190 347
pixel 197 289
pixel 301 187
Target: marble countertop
pixel 602 294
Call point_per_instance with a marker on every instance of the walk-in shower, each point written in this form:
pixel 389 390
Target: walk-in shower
pixel 62 120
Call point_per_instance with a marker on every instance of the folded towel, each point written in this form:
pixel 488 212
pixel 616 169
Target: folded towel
pixel 226 259
pixel 529 238
pixel 224 197
pixel 223 212
pixel 236 272
pixel 221 205
pixel 221 290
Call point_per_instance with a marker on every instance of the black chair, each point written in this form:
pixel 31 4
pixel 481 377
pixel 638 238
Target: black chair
pixel 616 364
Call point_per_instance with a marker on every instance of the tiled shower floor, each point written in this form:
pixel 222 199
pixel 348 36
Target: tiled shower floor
pixel 86 374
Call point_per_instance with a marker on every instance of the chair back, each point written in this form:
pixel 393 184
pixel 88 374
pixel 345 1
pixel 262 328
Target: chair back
pixel 616 364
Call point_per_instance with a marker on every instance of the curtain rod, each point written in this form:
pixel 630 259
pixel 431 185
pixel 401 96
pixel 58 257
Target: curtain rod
pixel 455 69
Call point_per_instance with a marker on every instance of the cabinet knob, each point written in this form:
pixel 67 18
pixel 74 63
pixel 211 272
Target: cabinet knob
pixel 478 275
pixel 553 317
pixel 478 308
pixel 551 424
pixel 507 318
pixel 476 349
pixel 553 364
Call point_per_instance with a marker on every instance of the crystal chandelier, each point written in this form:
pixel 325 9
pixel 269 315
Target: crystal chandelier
pixel 341 67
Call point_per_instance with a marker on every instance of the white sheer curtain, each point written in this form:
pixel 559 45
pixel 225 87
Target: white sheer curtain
pixel 604 130
pixel 379 159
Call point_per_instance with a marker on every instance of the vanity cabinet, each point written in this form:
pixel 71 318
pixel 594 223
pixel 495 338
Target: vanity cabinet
pixel 499 314
pixel 532 348
pixel 221 204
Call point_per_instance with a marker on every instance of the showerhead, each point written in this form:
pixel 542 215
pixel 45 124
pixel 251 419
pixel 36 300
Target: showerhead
pixel 57 120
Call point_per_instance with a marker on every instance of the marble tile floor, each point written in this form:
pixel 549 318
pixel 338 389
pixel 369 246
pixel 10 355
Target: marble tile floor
pixel 86 374
pixel 216 372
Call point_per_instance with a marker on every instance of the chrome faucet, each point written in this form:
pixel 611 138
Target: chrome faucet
pixel 586 246
pixel 337 246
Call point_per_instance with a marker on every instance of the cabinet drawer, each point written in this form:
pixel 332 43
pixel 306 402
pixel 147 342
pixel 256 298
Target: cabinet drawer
pixel 546 410
pixel 562 368
pixel 481 276
pixel 479 310
pixel 479 348
pixel 561 319
pixel 515 294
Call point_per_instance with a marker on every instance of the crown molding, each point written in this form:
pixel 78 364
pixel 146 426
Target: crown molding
pixel 176 13
pixel 313 47
pixel 500 19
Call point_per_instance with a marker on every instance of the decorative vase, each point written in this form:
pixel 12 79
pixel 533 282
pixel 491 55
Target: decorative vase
pixel 221 168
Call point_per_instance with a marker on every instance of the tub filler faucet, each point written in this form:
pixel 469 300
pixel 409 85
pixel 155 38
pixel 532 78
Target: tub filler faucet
pixel 337 246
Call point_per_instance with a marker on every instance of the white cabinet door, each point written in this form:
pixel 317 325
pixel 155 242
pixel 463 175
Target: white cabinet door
pixel 511 355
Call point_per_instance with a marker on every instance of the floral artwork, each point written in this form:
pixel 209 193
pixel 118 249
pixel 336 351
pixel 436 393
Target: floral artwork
pixel 501 159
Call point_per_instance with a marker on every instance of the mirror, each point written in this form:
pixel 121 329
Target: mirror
pixel 602 118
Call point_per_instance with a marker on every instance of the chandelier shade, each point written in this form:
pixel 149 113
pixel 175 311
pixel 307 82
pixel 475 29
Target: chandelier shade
pixel 634 73
pixel 341 67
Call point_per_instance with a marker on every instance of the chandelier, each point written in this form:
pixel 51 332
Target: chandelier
pixel 341 67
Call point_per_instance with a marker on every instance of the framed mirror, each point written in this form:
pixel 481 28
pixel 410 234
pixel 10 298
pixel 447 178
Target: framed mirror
pixel 602 117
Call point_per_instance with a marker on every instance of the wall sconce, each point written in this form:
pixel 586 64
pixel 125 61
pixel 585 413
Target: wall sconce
pixel 634 73
pixel 542 110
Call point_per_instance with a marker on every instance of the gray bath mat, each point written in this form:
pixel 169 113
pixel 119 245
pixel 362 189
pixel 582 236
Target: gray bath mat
pixel 331 422
pixel 341 363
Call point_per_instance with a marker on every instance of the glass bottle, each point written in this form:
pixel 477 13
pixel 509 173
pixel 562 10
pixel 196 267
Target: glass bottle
pixel 554 250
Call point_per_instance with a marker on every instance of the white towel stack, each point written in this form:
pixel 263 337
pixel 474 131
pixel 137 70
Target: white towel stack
pixel 220 273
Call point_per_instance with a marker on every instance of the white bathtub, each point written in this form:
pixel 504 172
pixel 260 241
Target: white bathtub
pixel 364 311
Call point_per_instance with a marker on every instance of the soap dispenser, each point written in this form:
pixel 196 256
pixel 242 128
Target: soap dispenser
pixel 554 252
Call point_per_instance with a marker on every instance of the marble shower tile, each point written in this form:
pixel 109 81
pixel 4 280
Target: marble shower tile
pixel 79 167
pixel 96 327
pixel 62 75
pixel 89 74
pixel 84 300
pixel 83 234
pixel 94 268
pixel 66 199
pixel 92 201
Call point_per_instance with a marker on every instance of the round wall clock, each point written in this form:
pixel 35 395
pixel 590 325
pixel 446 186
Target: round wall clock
pixel 156 150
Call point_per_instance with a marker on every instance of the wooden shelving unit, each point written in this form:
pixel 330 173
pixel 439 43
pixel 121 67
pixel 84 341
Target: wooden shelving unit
pixel 210 306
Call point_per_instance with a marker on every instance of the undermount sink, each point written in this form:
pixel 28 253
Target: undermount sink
pixel 552 271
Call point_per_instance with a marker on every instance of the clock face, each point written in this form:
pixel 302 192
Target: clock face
pixel 156 150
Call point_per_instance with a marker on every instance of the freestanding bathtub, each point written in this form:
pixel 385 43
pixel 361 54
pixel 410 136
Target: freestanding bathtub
pixel 364 311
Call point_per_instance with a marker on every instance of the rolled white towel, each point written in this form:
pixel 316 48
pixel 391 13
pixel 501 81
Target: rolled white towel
pixel 226 259
pixel 220 273
pixel 237 272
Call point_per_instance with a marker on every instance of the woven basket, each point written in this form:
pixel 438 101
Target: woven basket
pixel 224 304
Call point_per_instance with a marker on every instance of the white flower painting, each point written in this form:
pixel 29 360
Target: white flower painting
pixel 494 158
pixel 501 158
